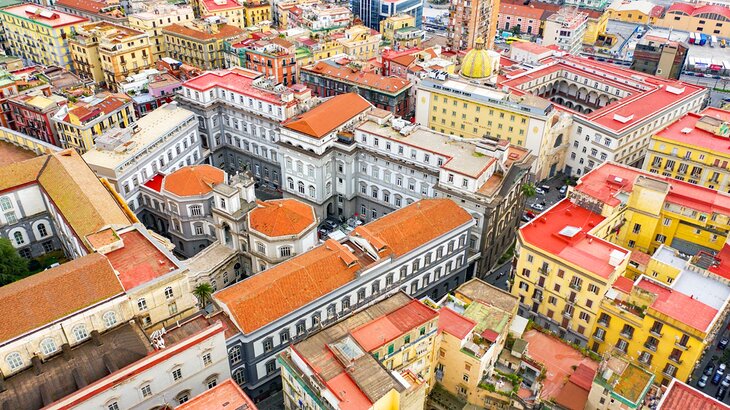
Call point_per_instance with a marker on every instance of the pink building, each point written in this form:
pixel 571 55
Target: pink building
pixel 513 15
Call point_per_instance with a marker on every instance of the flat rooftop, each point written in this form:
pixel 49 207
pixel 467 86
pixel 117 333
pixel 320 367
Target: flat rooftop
pixel 43 16
pixel 389 327
pixel 11 153
pixel 705 289
pixel 139 261
pixel 237 80
pixel 684 131
pixel 563 231
pixel 676 305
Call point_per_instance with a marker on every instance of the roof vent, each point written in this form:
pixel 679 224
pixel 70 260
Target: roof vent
pixel 675 90
pixel 623 120
pixel 686 130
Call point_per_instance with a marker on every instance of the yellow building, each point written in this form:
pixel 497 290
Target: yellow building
pixel 229 10
pixel 308 52
pixel 256 11
pixel 526 121
pixel 109 53
pixel 641 11
pixel 153 17
pixel 388 346
pixel 473 327
pixel 401 31
pixel 361 43
pixel 708 19
pixel 595 27
pixel 199 43
pixel 40 35
pixel 693 148
pixel 79 123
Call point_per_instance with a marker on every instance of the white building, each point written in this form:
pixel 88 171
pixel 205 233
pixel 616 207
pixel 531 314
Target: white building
pixel 164 140
pixel 566 29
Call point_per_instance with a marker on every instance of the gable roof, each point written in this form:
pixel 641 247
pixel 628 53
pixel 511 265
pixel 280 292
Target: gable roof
pixel 55 293
pixel 193 180
pixel 281 217
pixel 328 116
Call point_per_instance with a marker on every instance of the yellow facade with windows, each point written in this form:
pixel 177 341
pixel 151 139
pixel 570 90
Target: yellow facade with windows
pixel 361 43
pixel 154 19
pixel 325 48
pixel 201 44
pixel 256 11
pixel 595 27
pixel 80 123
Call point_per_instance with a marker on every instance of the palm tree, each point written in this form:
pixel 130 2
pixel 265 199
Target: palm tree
pixel 528 189
pixel 203 293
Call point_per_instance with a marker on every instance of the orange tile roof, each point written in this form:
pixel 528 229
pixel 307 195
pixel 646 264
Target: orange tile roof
pixel 90 6
pixel 224 31
pixel 328 116
pixel 139 261
pixel 281 217
pixel 680 396
pixel 55 293
pixel 263 298
pixel 385 329
pixel 417 224
pixel 226 395
pixel 387 84
pixel 213 5
pixel 193 180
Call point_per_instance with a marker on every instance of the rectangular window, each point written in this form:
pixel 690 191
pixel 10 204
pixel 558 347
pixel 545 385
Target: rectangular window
pixel 176 374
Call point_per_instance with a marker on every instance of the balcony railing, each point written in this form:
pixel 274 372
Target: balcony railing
pixel 575 286
pixel 626 335
pixel 650 346
pixel 681 346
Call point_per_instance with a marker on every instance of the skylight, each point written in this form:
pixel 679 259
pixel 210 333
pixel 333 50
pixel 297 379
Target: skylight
pixel 569 231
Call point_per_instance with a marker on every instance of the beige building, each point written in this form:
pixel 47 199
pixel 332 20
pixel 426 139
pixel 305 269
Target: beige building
pixel 153 16
pixel 469 20
pixel 200 43
pixel 361 43
pixel 566 29
pixel 109 53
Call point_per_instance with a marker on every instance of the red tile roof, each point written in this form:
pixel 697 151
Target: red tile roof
pixel 583 249
pixel 722 268
pixel 624 284
pixel 520 10
pixel 193 180
pixel 693 10
pixel 155 183
pixel 225 31
pixel 351 396
pixel 680 396
pixel 385 329
pixel 57 18
pixel 328 116
pixel 386 84
pixel 139 261
pixel 679 306
pixel 454 324
pixel 217 5
pixel 55 293
pixel 583 376
pixel 226 395
pixel 281 217
pixel 238 80
pixel 90 6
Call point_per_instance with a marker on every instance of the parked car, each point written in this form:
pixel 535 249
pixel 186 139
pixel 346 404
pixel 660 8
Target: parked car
pixel 563 189
pixel 545 188
pixel 722 367
pixel 723 343
pixel 702 382
pixel 721 392
pixel 525 218
pixel 709 369
pixel 539 191
pixel 717 377
pixel 530 214
pixel 537 207
pixel 726 381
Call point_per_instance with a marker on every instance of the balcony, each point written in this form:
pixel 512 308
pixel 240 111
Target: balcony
pixel 676 359
pixel 575 286
pixel 567 314
pixel 543 271
pixel 656 334
pixel 628 336
pixel 600 338
pixel 603 323
pixel 681 346
pixel 650 346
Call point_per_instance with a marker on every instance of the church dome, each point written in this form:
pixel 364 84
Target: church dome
pixel 477 63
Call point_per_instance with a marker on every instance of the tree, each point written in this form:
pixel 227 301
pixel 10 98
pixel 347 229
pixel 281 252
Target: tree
pixel 12 266
pixel 203 293
pixel 528 189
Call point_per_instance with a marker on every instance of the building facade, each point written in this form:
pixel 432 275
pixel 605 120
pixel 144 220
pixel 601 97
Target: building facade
pixel 708 19
pixel 470 20
pixel 32 115
pixel 660 57
pixel 371 13
pixel 153 16
pixel 566 29
pixel 200 43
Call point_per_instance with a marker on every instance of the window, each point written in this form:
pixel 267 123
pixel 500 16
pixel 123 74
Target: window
pixel 112 406
pixel 110 319
pixel 5 204
pixel 48 346
pixel 169 293
pixel 42 230
pixel 584 316
pixel 211 382
pixel 177 374
pixel 270 366
pixel 284 336
pixel 80 332
pixel 146 390
pixel 268 345
pixel 301 328
pixel 465 377
pixel 239 376
pixel 207 360
pixel 234 355
pixel 18 236
pixel 196 210
pixel 285 251
pixel 14 360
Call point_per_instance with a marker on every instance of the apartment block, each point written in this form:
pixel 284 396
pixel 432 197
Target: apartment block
pixel 152 16
pixel 470 20
pixel 565 29
pixel 200 43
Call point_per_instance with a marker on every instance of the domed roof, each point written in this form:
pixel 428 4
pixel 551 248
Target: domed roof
pixel 477 63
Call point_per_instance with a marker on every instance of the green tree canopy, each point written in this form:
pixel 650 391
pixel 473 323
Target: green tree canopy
pixel 12 266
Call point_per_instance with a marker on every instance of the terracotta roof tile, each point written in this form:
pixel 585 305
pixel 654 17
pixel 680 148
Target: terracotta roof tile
pixel 52 294
pixel 90 6
pixel 193 180
pixel 417 224
pixel 680 396
pixel 328 116
pixel 269 295
pixel 224 31
pixel 281 217
pixel 387 84
pixel 226 395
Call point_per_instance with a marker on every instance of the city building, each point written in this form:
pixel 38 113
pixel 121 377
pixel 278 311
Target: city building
pixel 365 163
pixel 40 35
pixel 222 395
pixel 239 114
pixel 32 115
pixel 619 384
pixel 597 5
pixel 361 43
pixel 230 11
pixel 520 19
pixel 150 90
pixel 200 43
pixel 164 140
pixel 310 51
pixel 470 20
pixel 153 16
pixel 256 11
pixel 379 357
pixel 109 53
pixel 660 56
pixel 79 123
pixel 680 395
pixel 24 82
pixel 274 59
pixel 278 230
pixel 420 249
pixel 641 11
pixel 614 110
pixel 401 32
pixel 332 77
pixel 414 64
pixel 473 328
pixel 94 10
pixel 693 148
pixel 371 13
pixel 566 30
pixel 319 18
pixel 708 19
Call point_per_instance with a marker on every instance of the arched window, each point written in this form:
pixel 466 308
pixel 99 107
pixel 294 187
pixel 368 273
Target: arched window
pixel 328 188
pixel 42 230
pixel 18 236
pixel 234 355
pixel 110 319
pixel 239 376
pixel 290 183
pixel 14 360
pixel 183 396
pixel 48 346
pixel 312 191
pixel 301 187
pixel 80 332
pixel 211 381
pixel 169 294
pixel 141 303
